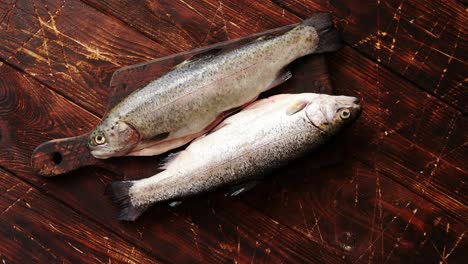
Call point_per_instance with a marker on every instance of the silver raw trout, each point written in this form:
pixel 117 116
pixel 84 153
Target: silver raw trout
pixel 265 135
pixel 190 100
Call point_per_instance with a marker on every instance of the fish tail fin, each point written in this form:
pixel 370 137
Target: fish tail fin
pixel 119 193
pixel 329 38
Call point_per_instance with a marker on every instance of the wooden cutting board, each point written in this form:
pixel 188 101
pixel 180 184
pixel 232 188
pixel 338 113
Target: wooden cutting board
pixel 59 156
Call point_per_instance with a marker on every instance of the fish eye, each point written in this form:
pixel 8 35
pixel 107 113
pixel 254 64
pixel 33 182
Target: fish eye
pixel 345 114
pixel 99 139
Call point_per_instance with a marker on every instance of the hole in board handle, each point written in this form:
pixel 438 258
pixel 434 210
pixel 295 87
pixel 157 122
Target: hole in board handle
pixel 56 158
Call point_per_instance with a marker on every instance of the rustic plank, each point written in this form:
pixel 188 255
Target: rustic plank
pixel 229 219
pixel 75 57
pixel 37 229
pixel 185 25
pixel 407 131
pixel 35 113
pixel 401 133
pixel 421 40
pixel 362 213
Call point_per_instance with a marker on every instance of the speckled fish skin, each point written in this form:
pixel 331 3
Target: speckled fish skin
pixel 262 137
pixel 186 102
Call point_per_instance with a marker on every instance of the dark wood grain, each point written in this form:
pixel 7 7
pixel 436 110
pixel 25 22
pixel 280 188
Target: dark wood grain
pixel 33 230
pixel 75 57
pixel 398 194
pixel 422 40
pixel 361 213
pixel 411 135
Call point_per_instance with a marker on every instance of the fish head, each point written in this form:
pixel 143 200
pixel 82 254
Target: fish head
pixel 332 113
pixel 112 139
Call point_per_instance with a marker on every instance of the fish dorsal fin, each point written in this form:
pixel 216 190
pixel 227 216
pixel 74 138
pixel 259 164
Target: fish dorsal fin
pixel 266 37
pixel 175 203
pixel 241 188
pixel 210 53
pixel 224 48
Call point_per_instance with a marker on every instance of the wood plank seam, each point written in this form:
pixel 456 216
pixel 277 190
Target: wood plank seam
pixel 34 34
pixel 68 98
pixel 63 203
pixel 102 11
pixel 388 176
pixel 381 64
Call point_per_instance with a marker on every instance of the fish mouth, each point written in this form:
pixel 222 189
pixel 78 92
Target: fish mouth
pixel 356 107
pixel 99 155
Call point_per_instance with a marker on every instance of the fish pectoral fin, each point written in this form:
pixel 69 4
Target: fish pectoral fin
pixel 160 136
pixel 296 107
pixel 175 203
pixel 282 76
pixel 265 37
pixel 240 188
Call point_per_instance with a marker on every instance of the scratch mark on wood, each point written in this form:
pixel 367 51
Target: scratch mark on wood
pixel 318 226
pixel 195 237
pixel 238 246
pixel 375 240
pixel 45 40
pixel 94 52
pixel 12 187
pixel 195 43
pixel 459 239
pixel 35 241
pixel 421 45
pixel 74 247
pixel 444 71
pixel 255 251
pixel 398 239
pixel 396 17
pixel 423 61
pixel 60 42
pixel 356 195
pixel 435 163
pixel 212 22
pixel 191 7
pixel 16 201
pixel 7 15
pixel 305 220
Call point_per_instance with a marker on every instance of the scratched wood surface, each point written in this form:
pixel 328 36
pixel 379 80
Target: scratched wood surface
pixel 398 192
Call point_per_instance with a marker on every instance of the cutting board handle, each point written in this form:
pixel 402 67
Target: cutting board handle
pixel 60 156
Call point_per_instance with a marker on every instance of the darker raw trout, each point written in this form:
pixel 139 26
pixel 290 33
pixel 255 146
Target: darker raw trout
pixel 188 101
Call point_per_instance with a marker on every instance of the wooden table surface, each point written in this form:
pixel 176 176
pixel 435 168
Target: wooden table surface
pixel 399 195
